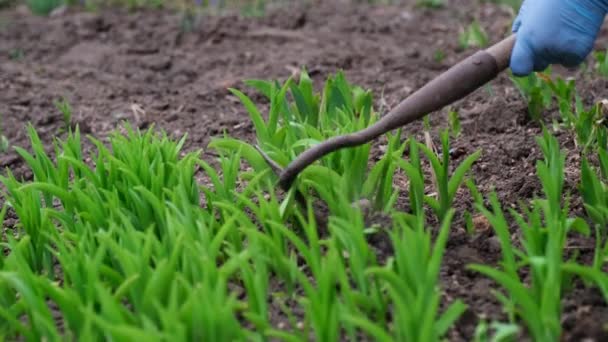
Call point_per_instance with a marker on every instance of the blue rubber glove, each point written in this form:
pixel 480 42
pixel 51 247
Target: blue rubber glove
pixel 555 32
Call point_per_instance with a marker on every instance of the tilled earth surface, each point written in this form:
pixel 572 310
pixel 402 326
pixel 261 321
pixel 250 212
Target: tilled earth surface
pixel 142 67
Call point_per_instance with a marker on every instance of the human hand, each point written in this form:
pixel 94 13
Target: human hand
pixel 555 32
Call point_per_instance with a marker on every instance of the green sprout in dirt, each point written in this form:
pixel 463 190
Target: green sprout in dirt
pixel 15 54
pixel 473 36
pixel 43 7
pixel 447 183
pixel 544 227
pixel 540 89
pixel 439 56
pixel 564 91
pixel 589 125
pixel 4 144
pixel 495 331
pixel 601 58
pixel 66 111
pixel 535 92
pixel 431 3
pixel 454 123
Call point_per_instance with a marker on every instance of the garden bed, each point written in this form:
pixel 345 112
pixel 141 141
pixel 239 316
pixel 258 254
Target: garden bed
pixel 145 67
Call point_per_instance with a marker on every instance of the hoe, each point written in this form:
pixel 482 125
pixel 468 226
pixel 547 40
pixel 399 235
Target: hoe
pixel 454 84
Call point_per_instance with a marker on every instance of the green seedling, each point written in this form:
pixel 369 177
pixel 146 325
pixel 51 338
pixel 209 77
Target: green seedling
pixel 66 111
pixel 413 170
pixel 439 56
pixel 601 65
pixel 379 184
pixel 536 93
pixel 16 54
pixel 454 123
pixel 473 36
pixel 596 276
pixel 431 3
pixel 4 144
pixel 588 125
pixel 43 7
pixel 564 92
pixel 320 302
pixel 501 332
pixel 447 184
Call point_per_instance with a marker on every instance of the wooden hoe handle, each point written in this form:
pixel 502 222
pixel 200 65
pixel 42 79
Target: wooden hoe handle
pixel 454 84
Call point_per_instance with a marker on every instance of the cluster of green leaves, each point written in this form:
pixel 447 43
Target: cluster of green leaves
pixel 541 91
pixel 431 3
pixel 534 90
pixel 122 249
pixel 473 36
pixel 129 245
pixel 601 59
pixel 535 300
pixel 299 117
pixel 590 132
pixel 123 243
pixel 43 7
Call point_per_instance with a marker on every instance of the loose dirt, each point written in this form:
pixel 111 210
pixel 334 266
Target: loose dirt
pixel 143 67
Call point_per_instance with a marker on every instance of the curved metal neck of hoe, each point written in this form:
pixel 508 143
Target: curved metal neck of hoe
pixel 454 84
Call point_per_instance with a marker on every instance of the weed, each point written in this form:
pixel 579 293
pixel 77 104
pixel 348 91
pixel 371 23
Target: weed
pixel 439 56
pixel 43 7
pixel 454 123
pixel 431 3
pixel 601 58
pixel 536 93
pixel 4 144
pixel 501 331
pixel 473 35
pixel 66 110
pixel 16 54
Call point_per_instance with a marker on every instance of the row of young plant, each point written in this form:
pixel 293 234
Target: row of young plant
pixel 587 125
pixel 545 223
pixel 124 247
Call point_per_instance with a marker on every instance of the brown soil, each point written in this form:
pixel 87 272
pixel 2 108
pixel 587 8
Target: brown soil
pixel 104 63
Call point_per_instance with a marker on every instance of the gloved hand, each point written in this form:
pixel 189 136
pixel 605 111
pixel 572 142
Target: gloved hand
pixel 555 32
